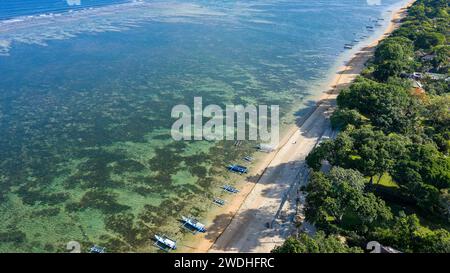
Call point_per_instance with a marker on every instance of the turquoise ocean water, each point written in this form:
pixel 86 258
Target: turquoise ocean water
pixel 86 90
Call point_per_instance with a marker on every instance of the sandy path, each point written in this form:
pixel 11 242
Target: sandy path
pixel 241 225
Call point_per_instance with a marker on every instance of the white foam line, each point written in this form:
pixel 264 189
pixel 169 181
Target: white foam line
pixel 120 17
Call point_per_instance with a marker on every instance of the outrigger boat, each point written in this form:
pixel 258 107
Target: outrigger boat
pixel 218 201
pixel 248 158
pixel 348 46
pixel 230 189
pixel 193 224
pixel 165 243
pixel 237 169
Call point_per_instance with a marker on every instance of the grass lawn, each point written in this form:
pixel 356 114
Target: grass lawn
pixel 386 181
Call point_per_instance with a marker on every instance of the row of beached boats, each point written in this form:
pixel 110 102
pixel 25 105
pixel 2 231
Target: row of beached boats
pixel 190 223
pixel 369 28
pixel 165 243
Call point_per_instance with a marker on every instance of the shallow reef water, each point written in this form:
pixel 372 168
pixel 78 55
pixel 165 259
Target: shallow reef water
pixel 85 149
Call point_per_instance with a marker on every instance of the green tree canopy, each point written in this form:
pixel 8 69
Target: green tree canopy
pixel 319 243
pixel 441 61
pixel 427 40
pixel 394 49
pixel 343 117
pixel 369 151
pixel 389 107
pixel 408 235
pixel 339 199
pixel 422 175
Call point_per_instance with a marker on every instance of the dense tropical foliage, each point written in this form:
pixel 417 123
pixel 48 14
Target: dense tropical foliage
pixel 320 243
pixel 390 175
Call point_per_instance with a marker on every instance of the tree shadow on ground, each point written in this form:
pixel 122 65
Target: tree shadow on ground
pixel 238 242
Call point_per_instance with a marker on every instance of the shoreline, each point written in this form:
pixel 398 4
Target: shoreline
pixel 230 221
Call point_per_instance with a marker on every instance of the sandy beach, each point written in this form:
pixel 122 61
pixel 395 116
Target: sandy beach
pixel 268 195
